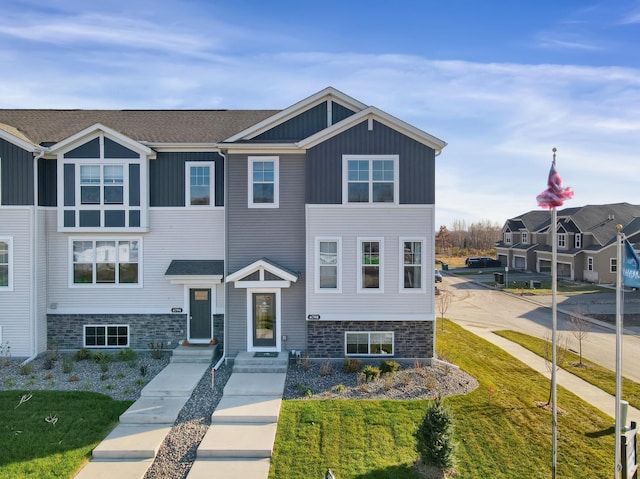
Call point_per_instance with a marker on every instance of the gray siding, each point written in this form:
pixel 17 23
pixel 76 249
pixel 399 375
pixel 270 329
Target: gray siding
pixel 275 233
pixel 17 175
pixel 47 182
pixel 324 163
pixel 167 177
pixel 299 127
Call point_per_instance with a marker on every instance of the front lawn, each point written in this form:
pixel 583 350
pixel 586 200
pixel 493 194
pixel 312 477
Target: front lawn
pixel 500 430
pixel 51 434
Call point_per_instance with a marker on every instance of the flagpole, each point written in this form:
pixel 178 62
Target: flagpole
pixel 618 426
pixel 554 327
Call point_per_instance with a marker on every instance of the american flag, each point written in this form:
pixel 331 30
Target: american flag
pixel 555 194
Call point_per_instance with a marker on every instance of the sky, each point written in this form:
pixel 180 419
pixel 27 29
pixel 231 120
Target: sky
pixel 502 82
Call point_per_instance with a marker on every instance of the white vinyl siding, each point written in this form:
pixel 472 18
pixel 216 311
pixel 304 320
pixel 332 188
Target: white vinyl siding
pixel 392 224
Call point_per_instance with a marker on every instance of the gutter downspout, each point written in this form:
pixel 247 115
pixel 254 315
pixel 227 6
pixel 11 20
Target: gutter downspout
pixel 226 262
pixel 33 296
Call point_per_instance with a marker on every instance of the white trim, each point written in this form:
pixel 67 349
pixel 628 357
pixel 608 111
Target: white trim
pixel 611 264
pixel 578 240
pixel 508 238
pixel 276 181
pixel 380 289
pixel 423 269
pixel 255 148
pixel 93 284
pixel 324 317
pixel 250 346
pixel 524 235
pixel 316 259
pixel 590 265
pixel 563 237
pixel 193 280
pixel 261 284
pixel 370 159
pixel 261 265
pixel 187 307
pixel 19 142
pixel 95 130
pixel 369 333
pixel 106 336
pixel 9 241
pixel 187 183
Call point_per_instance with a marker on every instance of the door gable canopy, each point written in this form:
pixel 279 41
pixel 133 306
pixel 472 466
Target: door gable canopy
pixel 263 273
pixel 182 271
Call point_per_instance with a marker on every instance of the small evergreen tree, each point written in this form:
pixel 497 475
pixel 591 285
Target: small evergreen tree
pixel 434 437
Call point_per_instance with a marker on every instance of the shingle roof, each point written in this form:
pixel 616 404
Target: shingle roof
pixel 185 267
pixel 45 127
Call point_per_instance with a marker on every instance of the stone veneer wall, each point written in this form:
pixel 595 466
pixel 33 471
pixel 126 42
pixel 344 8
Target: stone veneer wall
pixel 67 330
pixel 412 339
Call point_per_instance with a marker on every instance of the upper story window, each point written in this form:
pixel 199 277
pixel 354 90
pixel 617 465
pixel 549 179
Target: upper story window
pixel 105 262
pixel 370 179
pixel 613 265
pixel 562 240
pixel 200 184
pixel 578 240
pixel 370 274
pixel 525 237
pixel 328 264
pixel 412 265
pixel 589 263
pixel 507 238
pixel 6 263
pixel 102 187
pixel 263 185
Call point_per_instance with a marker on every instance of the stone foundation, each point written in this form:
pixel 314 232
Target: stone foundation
pixel 412 339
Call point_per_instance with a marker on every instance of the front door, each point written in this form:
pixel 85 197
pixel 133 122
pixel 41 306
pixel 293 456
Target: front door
pixel 264 319
pixel 200 315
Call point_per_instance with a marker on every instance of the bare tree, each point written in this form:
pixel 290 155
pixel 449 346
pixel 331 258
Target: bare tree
pixel 562 354
pixel 443 302
pixel 443 240
pixel 580 328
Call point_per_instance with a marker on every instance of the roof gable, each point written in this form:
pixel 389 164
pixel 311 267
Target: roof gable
pixel 15 137
pixel 92 132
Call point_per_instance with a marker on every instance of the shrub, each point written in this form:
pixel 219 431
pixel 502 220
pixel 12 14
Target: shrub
pixel 25 369
pixel 325 368
pixel 103 377
pixel 389 366
pixel 52 353
pixel 82 354
pixel 434 436
pixel 126 354
pixel 303 390
pixel 350 365
pixel 47 363
pixel 67 365
pixel 371 373
pixel 144 369
pixel 157 349
pixel 74 379
pixel 340 388
pixel 102 358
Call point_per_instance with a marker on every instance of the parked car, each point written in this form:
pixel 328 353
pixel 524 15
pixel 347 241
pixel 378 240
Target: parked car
pixel 438 276
pixel 483 262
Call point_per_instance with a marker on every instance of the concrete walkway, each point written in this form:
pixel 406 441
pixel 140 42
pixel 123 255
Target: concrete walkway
pixel 240 440
pixel 129 450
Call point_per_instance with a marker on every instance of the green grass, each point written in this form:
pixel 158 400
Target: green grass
pixel 502 434
pixel 52 434
pixel 591 372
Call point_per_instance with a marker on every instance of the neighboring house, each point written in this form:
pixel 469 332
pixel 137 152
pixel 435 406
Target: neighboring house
pixel 310 229
pixel 586 236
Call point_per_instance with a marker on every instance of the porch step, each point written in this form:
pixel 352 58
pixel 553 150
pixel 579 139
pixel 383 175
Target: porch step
pixel 194 354
pixel 248 362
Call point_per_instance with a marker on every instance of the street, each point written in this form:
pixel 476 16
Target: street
pixel 478 308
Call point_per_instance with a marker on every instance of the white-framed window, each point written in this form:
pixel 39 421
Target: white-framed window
pixel 367 343
pixel 6 263
pixel 525 237
pixel 613 265
pixel 199 183
pixel 578 240
pixel 507 238
pixel 328 265
pixel 105 262
pixel 562 240
pixel 412 258
pixel 370 265
pixel 102 184
pixel 106 336
pixel 370 179
pixel 264 181
pixel 590 263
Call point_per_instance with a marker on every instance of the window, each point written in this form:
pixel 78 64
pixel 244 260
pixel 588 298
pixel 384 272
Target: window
pixel 200 184
pixel 6 255
pixel 107 336
pixel 412 264
pixel 525 237
pixel 101 184
pixel 263 182
pixel 370 179
pixel 507 238
pixel 105 262
pixel 370 265
pixel 613 265
pixel 578 240
pixel 328 264
pixel 369 344
pixel 562 240
pixel 590 264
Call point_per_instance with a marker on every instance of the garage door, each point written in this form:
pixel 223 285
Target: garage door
pixel 519 262
pixel 564 270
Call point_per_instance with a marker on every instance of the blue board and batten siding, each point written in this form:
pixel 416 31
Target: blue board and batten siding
pixel 416 163
pixel 167 177
pixel 47 182
pixel 274 233
pixel 16 175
